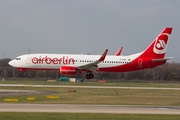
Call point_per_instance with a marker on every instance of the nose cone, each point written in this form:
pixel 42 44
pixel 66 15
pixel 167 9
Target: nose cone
pixel 11 63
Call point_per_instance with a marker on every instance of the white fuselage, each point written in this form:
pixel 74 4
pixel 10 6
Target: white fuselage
pixel 55 61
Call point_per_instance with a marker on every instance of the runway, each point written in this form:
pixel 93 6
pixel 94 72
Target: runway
pixel 72 108
pixel 106 87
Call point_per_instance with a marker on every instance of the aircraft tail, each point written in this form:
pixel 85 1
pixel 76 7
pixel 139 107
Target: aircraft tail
pixel 158 47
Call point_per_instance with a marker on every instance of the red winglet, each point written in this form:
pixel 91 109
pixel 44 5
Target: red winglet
pixel 119 51
pixel 103 56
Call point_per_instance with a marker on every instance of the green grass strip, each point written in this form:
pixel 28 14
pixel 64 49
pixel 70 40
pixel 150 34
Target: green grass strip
pixel 83 116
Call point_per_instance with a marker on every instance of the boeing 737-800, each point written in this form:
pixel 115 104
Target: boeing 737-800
pixel 71 64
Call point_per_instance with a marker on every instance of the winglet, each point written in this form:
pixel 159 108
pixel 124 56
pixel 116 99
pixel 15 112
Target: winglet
pixel 103 56
pixel 119 51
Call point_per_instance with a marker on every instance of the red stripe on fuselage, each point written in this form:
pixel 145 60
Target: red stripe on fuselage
pixel 133 66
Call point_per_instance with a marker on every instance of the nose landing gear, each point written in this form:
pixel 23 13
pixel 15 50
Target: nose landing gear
pixel 25 74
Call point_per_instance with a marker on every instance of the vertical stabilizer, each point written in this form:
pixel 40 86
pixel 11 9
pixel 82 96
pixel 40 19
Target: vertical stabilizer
pixel 158 47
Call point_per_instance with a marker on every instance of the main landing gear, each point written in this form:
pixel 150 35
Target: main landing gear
pixel 89 75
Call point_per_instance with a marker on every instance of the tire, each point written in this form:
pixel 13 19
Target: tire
pixel 87 76
pixel 91 75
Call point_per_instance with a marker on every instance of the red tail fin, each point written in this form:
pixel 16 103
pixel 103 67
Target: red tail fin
pixel 158 47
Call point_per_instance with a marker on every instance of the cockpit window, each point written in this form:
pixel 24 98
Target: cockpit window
pixel 18 58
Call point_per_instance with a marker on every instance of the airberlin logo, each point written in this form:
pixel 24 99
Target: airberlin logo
pixel 161 43
pixel 67 71
pixel 48 60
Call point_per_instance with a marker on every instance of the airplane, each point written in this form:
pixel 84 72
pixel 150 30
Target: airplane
pixel 72 64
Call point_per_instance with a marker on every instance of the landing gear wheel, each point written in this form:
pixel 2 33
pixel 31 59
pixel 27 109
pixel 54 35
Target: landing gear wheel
pixel 25 74
pixel 89 76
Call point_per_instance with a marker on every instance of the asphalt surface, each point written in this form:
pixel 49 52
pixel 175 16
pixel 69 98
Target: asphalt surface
pixel 72 108
pixel 71 86
pixel 7 92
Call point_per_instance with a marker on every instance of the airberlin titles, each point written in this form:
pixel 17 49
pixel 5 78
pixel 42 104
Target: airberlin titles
pixel 48 60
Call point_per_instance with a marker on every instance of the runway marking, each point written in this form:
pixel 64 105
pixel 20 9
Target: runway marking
pixel 30 98
pixel 14 100
pixel 52 96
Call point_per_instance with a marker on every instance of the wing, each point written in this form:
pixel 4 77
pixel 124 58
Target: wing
pixel 94 65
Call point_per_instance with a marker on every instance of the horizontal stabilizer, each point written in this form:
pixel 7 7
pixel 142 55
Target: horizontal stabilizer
pixel 161 60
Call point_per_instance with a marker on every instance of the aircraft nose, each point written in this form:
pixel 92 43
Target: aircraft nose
pixel 11 63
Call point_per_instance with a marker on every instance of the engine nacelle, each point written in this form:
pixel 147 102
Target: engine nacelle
pixel 68 70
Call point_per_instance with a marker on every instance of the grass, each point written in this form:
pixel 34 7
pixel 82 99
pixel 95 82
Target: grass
pixel 83 116
pixel 166 85
pixel 100 96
